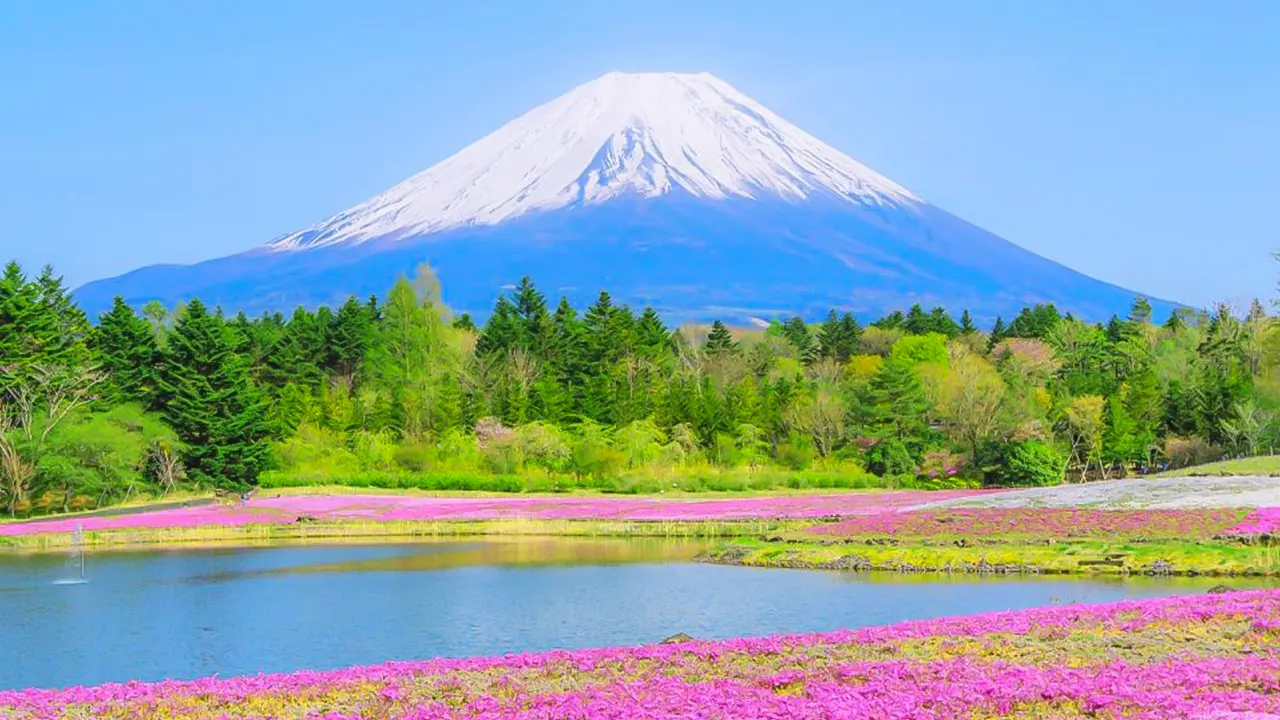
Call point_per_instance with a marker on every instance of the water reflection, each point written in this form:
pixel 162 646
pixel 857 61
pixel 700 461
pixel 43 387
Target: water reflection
pixel 155 614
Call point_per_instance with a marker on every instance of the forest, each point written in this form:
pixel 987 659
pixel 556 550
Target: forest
pixel 397 392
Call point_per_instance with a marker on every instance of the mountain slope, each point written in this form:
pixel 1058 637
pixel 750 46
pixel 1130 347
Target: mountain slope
pixel 666 189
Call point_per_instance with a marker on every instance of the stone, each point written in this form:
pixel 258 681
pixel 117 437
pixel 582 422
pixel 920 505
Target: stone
pixel 676 639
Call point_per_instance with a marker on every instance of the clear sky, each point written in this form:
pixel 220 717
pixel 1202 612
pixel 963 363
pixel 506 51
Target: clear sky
pixel 1137 141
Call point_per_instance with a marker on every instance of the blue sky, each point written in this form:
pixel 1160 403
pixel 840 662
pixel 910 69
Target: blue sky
pixel 1136 141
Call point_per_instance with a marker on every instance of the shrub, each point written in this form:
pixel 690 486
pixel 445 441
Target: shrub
pixel 890 456
pixel 797 453
pixel 1021 463
pixel 543 446
pixel 641 442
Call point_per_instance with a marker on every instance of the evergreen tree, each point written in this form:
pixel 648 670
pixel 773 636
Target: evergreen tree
pixel 893 321
pixel 20 326
pixel 898 405
pixel 350 337
pixel 1140 312
pixel 211 403
pixel 653 340
pixel 966 324
pixel 942 323
pixel 850 337
pixel 464 322
pixel 62 335
pixel 838 337
pixel 719 341
pixel 917 323
pixel 502 331
pixel 797 333
pixel 535 325
pixel 298 353
pixel 998 333
pixel 126 350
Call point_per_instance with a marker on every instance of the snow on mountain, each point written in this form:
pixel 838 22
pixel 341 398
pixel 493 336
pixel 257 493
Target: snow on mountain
pixel 646 134
pixel 673 191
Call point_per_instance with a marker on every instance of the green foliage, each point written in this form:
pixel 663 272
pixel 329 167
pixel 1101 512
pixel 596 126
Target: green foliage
pixel 397 391
pixel 1020 463
pixel 211 403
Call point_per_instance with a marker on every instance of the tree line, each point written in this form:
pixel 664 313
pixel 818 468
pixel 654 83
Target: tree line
pixel 397 390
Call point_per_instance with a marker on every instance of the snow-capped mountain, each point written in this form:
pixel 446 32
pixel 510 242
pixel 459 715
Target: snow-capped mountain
pixel 669 189
pixel 645 134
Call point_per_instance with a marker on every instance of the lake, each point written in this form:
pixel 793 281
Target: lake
pixel 150 615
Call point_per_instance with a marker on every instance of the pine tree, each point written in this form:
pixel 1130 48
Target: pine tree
pixel 502 331
pixel 898 403
pixel 603 343
pixel 535 327
pixel 942 323
pixel 966 324
pixel 829 337
pixel 719 341
pixel 63 335
pixel 797 333
pixel 19 320
pixel 299 352
pixel 850 337
pixel 211 403
pixel 998 333
pixel 126 349
pixel 893 321
pixel 1140 312
pixel 464 322
pixel 653 340
pixel 350 337
pixel 1116 330
pixel 917 323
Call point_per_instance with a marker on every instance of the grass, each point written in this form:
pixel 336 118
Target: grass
pixel 674 494
pixel 686 480
pixel 355 529
pixel 1262 465
pixel 1072 557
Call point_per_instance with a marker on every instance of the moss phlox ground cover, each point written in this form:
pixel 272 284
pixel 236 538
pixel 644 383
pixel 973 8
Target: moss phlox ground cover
pixel 1214 656
pixel 402 508
pixel 1049 523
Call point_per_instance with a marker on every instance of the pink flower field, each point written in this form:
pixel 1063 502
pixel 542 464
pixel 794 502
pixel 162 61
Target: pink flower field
pixel 1202 657
pixel 1263 521
pixel 1054 523
pixel 375 508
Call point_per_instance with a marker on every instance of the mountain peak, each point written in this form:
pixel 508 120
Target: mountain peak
pixel 637 134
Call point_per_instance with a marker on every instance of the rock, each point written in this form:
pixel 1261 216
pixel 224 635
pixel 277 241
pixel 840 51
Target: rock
pixel 676 639
pixel 1159 567
pixel 305 519
pixel 1220 589
pixel 850 562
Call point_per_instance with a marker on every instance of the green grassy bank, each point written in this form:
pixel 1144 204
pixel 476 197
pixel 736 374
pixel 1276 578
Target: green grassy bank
pixel 1070 557
pixel 340 530
pixel 1262 465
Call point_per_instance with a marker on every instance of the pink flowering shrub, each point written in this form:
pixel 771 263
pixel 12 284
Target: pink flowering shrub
pixel 1205 656
pixel 402 508
pixel 1262 521
pixel 1045 523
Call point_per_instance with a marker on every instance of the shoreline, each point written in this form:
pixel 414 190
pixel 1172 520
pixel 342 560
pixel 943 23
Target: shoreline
pixel 1190 655
pixel 336 532
pixel 1067 559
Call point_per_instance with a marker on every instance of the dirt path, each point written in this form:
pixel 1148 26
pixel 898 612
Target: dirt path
pixel 1136 493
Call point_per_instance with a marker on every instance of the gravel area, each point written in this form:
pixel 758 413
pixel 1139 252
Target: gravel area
pixel 1136 493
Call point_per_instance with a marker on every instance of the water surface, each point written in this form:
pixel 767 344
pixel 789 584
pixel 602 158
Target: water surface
pixel 149 615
